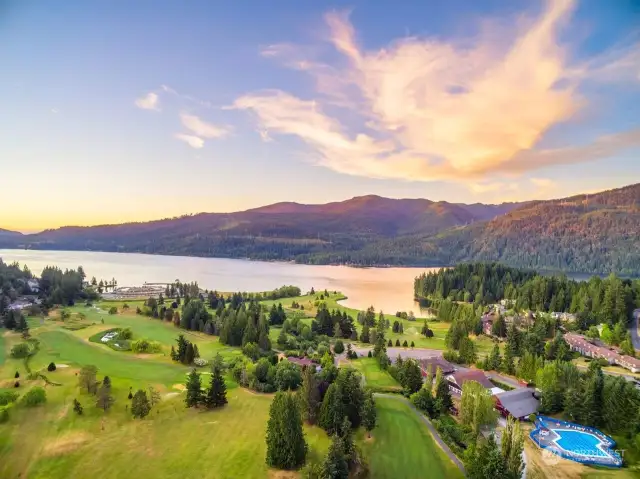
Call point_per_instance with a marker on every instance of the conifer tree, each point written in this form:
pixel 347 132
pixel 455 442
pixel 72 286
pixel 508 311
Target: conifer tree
pixel 495 360
pixel 512 446
pixel 332 410
pixel 335 465
pixel 189 354
pixel 286 445
pixel 105 399
pixel 216 395
pixel 443 395
pixel 369 414
pixel 77 407
pixel 194 392
pixel 140 405
pixel 309 396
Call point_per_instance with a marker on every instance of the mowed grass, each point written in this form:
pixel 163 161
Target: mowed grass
pixel 65 348
pixel 3 351
pixel 401 446
pixel 373 375
pixel 51 441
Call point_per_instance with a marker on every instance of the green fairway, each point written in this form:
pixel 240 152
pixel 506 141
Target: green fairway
pixel 403 447
pixel 68 349
pixel 374 376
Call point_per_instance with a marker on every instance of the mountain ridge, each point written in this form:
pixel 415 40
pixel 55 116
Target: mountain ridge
pixel 587 233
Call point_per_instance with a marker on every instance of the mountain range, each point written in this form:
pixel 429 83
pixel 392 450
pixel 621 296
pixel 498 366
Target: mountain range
pixel 595 233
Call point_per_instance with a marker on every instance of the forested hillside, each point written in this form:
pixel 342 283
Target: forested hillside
pixel 586 233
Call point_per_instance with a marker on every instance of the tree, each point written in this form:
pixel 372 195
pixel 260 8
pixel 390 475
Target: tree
pixel 332 410
pixel 476 407
pixel 508 365
pixel 494 358
pixel 51 367
pixel 443 395
pixel 338 347
pixel 485 461
pixel 335 465
pixel 105 399
pixel 194 389
pixel 140 405
pixel 87 378
pixel 309 396
pixel 288 375
pixel 369 414
pixel 77 407
pixel 364 336
pixel 154 396
pixel 411 376
pixel 593 400
pixel 512 447
pixel 549 382
pixel 216 395
pixel 286 445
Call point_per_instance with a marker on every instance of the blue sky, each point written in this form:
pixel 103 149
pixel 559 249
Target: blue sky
pixel 119 111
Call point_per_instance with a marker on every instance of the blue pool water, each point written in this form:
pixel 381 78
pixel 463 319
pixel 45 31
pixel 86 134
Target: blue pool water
pixel 579 442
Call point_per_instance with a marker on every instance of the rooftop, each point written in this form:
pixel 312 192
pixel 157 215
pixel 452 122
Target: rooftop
pixel 519 402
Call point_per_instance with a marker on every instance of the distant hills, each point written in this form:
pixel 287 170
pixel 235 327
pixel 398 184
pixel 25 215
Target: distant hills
pixel 588 233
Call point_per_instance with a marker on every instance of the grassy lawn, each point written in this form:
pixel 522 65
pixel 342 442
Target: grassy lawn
pixel 3 351
pixel 374 376
pixel 402 446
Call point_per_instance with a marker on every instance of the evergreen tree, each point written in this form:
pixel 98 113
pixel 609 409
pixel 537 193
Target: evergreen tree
pixel 335 465
pixel 412 376
pixel 476 407
pixel 369 414
pixel 332 410
pixel 508 365
pixel 495 360
pixel 592 402
pixel 286 445
pixel 309 396
pixel 443 395
pixel 216 395
pixel 140 405
pixel 77 407
pixel 194 389
pixel 189 354
pixel 364 336
pixel 105 400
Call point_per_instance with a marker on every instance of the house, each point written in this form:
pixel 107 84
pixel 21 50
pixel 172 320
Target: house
pixel 518 403
pixel 589 348
pixel 434 363
pixel 457 380
pixel 34 285
pixel 565 317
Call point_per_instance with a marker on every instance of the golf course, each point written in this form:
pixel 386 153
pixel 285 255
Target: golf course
pixel 53 441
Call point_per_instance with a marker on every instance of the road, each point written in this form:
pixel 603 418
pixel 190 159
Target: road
pixel 611 373
pixel 432 429
pixel 635 339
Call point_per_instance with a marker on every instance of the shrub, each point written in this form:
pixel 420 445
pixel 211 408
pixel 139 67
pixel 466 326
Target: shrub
pixel 77 407
pixel 125 333
pixel 16 384
pixel 405 344
pixel 16 375
pixel 369 355
pixel 4 414
pixel 34 397
pixel 113 310
pixel 7 397
pixel 143 345
pixel 200 362
pixel 413 345
pixel 397 343
pixel 338 348
pixel 20 350
pixel 51 367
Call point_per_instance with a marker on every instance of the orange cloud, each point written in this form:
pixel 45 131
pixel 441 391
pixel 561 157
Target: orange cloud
pixel 430 109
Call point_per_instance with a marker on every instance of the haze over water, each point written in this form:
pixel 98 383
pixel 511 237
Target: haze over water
pixel 389 289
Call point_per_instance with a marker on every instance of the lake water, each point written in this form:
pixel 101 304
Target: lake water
pixel 389 289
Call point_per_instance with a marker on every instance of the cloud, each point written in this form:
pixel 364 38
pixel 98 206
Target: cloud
pixel 424 109
pixel 202 128
pixel 149 101
pixel 191 140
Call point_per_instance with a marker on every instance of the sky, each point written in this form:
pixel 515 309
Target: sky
pixel 114 111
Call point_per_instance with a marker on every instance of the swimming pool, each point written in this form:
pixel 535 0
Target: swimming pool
pixel 578 443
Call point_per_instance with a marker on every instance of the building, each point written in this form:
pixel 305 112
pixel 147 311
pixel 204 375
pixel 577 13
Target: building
pixel 457 380
pixel 565 317
pixel 303 362
pixel 518 403
pixel 590 349
pixel 434 363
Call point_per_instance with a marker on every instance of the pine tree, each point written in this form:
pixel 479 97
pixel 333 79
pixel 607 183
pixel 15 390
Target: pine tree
pixel 286 445
pixel 309 396
pixel 194 391
pixel 494 358
pixel 216 395
pixel 332 410
pixel 508 366
pixel 77 407
pixel 592 400
pixel 443 395
pixel 105 399
pixel 335 465
pixel 140 405
pixel 369 414
pixel 412 376
pixel 189 354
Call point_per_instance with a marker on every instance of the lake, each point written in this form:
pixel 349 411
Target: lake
pixel 389 289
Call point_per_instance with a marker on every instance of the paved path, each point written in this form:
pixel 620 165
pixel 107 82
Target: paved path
pixel 432 429
pixel 514 383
